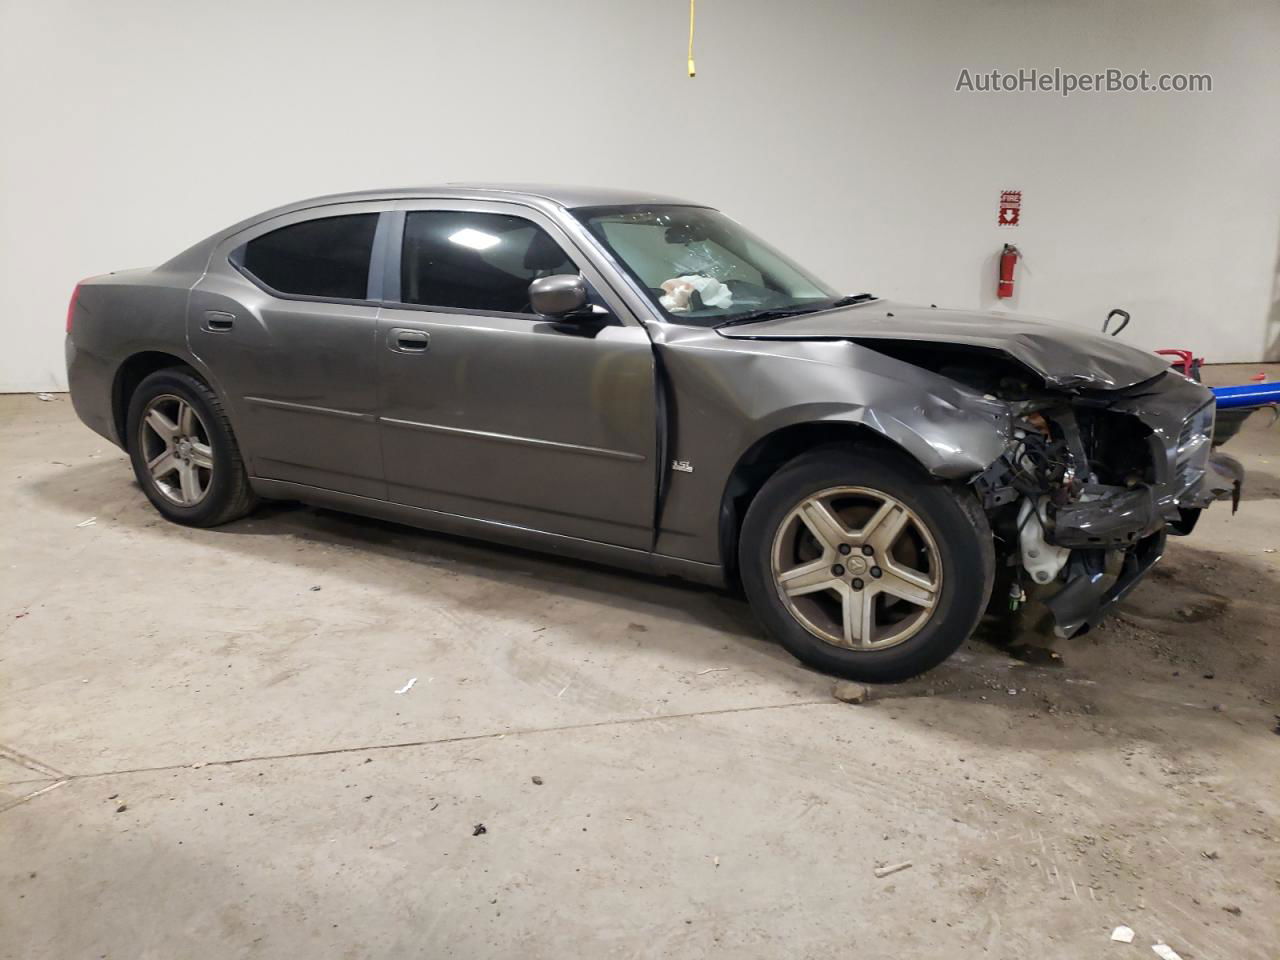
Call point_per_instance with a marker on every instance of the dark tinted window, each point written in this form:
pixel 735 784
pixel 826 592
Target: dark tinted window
pixel 315 258
pixel 476 261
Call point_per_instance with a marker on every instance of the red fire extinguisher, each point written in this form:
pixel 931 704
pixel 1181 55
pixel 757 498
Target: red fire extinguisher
pixel 1008 260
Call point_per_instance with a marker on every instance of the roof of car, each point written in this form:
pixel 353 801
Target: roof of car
pixel 530 193
pixel 565 196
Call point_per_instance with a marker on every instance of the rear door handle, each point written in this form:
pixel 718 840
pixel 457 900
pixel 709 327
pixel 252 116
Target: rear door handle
pixel 217 321
pixel 403 340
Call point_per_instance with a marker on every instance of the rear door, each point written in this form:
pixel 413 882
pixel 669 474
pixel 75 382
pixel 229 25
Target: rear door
pixel 492 412
pixel 286 318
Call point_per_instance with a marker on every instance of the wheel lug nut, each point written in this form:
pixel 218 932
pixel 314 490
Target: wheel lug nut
pixel 837 571
pixel 845 549
pixel 857 583
pixel 867 551
pixel 876 571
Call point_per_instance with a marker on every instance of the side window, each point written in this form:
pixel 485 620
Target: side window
pixel 476 261
pixel 328 257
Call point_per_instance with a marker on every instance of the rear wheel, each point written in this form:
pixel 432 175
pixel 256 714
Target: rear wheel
pixel 183 451
pixel 866 568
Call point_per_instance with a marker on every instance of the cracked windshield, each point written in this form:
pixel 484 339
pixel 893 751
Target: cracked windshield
pixel 702 268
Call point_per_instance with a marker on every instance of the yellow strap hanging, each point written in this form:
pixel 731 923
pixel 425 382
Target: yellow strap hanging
pixel 692 70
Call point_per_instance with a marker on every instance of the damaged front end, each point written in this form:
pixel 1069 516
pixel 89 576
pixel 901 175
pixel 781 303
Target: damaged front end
pixel 1091 484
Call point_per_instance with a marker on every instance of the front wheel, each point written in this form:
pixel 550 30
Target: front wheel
pixel 866 568
pixel 183 451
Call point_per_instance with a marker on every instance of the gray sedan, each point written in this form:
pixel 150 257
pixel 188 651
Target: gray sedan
pixel 639 381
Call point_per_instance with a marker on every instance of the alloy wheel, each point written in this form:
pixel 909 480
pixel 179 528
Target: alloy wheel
pixel 857 568
pixel 176 449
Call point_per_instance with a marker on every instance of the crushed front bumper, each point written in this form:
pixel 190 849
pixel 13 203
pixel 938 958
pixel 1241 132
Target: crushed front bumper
pixel 1111 527
pixel 1117 518
pixel 1088 594
pixel 1135 522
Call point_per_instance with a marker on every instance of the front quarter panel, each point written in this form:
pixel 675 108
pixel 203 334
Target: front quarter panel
pixel 729 394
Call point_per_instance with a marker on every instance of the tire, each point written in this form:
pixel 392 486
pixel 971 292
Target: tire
pixel 208 484
pixel 942 559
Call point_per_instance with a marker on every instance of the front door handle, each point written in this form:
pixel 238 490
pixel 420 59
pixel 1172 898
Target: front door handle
pixel 218 321
pixel 403 340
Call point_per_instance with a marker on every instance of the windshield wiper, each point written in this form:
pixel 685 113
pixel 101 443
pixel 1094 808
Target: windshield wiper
pixel 778 313
pixel 755 316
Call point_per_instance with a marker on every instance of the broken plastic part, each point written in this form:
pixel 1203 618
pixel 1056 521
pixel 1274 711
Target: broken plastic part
pixel 1042 559
pixel 1089 592
pixel 1107 517
pixel 1223 479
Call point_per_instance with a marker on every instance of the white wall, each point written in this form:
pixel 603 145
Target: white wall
pixel 132 128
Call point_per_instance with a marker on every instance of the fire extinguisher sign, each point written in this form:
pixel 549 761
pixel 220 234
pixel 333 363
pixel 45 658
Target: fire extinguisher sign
pixel 1010 208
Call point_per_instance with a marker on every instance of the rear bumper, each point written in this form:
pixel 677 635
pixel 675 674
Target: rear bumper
pixel 90 380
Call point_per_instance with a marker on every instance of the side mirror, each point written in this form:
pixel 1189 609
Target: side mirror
pixel 559 296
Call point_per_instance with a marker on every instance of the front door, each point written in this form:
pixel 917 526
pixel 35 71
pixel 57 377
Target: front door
pixel 286 321
pixel 492 412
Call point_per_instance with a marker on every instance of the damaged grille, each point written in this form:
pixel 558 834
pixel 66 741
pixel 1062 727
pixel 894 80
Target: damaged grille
pixel 1194 443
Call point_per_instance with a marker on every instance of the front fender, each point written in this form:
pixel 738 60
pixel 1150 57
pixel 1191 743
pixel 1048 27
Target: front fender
pixel 732 395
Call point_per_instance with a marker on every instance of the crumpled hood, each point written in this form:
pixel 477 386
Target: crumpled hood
pixel 1066 358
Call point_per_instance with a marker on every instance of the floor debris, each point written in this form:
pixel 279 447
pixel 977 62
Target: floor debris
pixel 1122 934
pixel 703 673
pixel 537 781
pixel 408 686
pixel 881 872
pixel 87 523
pixel 1029 653
pixel 478 829
pixel 847 691
pixel 1164 952
pixel 46 397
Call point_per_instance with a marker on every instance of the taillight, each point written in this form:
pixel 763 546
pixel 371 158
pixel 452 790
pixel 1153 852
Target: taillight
pixel 71 307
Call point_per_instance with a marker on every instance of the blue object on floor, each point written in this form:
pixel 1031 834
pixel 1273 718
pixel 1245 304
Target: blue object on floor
pixel 1248 395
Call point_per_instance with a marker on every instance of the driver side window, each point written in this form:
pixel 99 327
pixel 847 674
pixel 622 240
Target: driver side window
pixel 476 261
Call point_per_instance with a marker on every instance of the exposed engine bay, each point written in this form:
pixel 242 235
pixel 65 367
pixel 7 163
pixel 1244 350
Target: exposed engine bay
pixel 1092 481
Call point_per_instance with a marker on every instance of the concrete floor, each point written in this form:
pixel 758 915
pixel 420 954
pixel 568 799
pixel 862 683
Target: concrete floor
pixel 205 755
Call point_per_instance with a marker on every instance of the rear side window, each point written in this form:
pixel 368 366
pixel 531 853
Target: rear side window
pixel 326 258
pixel 476 261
